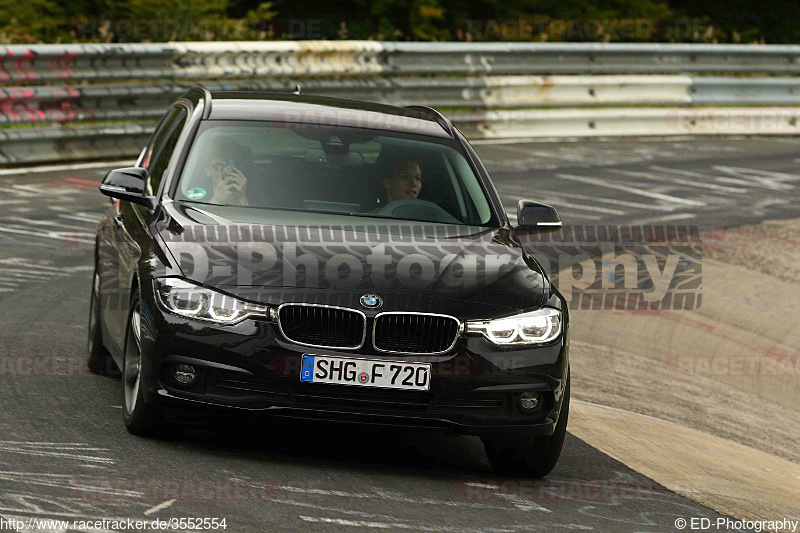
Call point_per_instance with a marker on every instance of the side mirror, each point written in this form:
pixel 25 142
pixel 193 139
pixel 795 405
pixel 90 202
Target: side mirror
pixel 537 217
pixel 128 184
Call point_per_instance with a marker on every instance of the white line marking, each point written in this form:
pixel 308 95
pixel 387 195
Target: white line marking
pixel 44 443
pixel 68 481
pixel 50 446
pixel 54 168
pixel 19 261
pixel 386 495
pixel 41 270
pixel 669 180
pixel 692 174
pixel 560 203
pixel 36 222
pixel 160 507
pixel 6 191
pixel 734 181
pixel 520 503
pixel 33 190
pixel 17 273
pixel 667 218
pixel 44 453
pixel 89 219
pixel 350 523
pixel 610 201
pixel 765 178
pixel 392 525
pixel 317 507
pixel 57 235
pixel 569 215
pixel 600 182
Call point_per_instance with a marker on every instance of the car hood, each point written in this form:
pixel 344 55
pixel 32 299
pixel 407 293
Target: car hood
pixel 275 256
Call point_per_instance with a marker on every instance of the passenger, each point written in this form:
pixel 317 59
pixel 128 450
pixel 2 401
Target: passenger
pixel 405 182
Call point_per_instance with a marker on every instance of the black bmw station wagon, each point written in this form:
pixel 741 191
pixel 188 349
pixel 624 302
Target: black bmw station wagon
pixel 328 259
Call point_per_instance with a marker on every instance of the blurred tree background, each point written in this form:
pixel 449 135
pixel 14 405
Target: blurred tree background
pixel 711 21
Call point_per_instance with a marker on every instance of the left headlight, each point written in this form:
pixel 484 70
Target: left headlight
pixel 535 327
pixel 187 299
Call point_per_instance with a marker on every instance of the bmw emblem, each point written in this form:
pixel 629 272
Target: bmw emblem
pixel 371 301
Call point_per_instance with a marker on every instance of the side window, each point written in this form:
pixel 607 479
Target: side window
pixel 161 147
pixel 147 153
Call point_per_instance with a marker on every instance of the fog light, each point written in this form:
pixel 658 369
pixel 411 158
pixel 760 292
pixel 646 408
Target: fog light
pixel 529 401
pixel 185 374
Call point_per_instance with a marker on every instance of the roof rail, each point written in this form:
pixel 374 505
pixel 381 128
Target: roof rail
pixel 206 99
pixel 443 121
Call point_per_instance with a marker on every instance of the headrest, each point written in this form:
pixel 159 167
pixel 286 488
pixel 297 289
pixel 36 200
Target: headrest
pixel 351 159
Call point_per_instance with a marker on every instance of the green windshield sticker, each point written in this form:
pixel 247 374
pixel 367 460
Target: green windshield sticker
pixel 196 194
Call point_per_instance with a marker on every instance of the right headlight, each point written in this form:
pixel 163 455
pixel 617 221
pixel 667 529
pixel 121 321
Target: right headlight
pixel 535 327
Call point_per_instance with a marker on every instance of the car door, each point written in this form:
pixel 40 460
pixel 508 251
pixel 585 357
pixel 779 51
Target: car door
pixel 129 221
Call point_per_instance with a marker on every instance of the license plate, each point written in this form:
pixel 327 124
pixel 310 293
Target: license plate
pixel 365 373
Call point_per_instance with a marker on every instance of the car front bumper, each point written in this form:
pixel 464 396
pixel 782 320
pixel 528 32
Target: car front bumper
pixel 250 367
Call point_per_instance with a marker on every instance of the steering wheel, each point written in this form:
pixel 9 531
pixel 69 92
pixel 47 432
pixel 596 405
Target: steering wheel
pixel 414 208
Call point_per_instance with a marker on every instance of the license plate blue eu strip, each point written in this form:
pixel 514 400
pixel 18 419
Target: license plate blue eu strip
pixel 307 371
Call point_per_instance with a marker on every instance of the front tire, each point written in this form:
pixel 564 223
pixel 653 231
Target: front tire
pixel 534 459
pixel 140 419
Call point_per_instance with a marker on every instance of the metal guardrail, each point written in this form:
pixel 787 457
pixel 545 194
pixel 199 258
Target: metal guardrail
pixel 591 58
pixel 319 58
pixel 32 105
pixel 613 122
pixel 87 101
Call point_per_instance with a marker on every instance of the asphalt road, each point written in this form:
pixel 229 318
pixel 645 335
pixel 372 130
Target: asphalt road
pixel 64 452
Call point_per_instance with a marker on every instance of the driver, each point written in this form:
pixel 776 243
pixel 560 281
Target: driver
pixel 405 181
pixel 227 179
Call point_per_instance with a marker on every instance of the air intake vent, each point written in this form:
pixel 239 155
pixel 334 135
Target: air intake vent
pixel 415 333
pixel 322 326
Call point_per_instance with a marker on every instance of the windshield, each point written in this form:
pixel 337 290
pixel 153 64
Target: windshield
pixel 328 169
